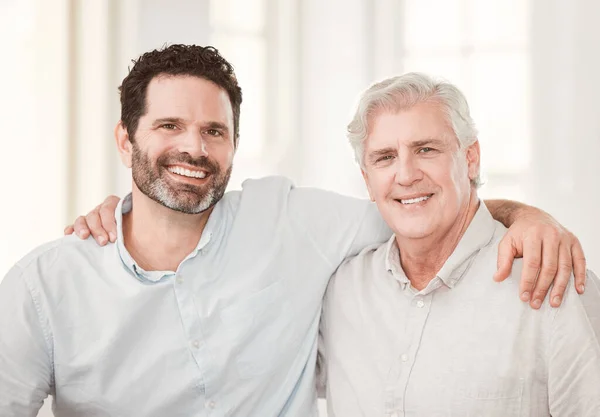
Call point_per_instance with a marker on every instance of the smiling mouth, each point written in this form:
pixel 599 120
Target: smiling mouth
pixel 415 200
pixel 189 173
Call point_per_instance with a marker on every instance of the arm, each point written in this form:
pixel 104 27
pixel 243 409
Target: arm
pixel 574 354
pixel 339 226
pixel 547 248
pixel 25 361
pixel 504 210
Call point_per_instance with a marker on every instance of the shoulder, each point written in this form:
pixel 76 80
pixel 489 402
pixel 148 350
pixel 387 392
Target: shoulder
pixel 274 187
pixel 488 254
pixel 277 193
pixel 257 196
pixel 361 268
pixel 574 306
pixel 510 287
pixel 262 198
pixel 269 186
pixel 487 260
pixel 357 282
pixel 262 195
pixel 67 251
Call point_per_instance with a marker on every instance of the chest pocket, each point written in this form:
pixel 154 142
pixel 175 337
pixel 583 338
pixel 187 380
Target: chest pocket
pixel 500 397
pixel 261 330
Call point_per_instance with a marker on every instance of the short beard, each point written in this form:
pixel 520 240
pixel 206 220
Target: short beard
pixel 188 199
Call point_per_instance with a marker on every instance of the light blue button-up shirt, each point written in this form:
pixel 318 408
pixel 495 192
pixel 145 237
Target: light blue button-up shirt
pixel 232 332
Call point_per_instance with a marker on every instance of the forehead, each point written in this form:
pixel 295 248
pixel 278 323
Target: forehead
pixel 425 120
pixel 188 97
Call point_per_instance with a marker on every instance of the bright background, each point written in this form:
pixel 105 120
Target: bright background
pixel 529 69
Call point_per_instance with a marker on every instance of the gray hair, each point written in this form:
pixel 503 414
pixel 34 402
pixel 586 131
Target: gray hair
pixel 403 92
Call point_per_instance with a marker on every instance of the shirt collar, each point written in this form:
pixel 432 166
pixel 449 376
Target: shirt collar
pixel 125 206
pixel 392 261
pixel 478 235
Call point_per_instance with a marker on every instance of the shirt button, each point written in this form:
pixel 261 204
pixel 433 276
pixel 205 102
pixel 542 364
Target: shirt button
pixel 195 344
pixel 404 357
pixel 210 404
pixel 179 279
pixel 420 303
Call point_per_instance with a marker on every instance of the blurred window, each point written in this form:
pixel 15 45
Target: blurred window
pixel 483 48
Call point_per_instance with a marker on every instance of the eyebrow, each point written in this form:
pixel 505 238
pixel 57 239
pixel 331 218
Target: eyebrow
pixel 174 120
pixel 373 155
pixel 216 125
pixel 380 152
pixel 179 120
pixel 427 142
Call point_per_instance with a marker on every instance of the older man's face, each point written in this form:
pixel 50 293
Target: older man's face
pixel 415 171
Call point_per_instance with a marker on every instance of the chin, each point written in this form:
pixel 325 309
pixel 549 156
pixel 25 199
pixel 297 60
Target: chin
pixel 414 231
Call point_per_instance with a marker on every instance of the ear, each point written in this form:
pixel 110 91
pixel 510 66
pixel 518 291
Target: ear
pixel 473 160
pixel 124 145
pixel 366 178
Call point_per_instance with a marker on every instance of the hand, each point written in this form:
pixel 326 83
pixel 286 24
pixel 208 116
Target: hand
pixel 550 253
pixel 100 222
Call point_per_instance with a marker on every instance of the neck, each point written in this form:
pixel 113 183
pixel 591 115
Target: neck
pixel 421 259
pixel 159 238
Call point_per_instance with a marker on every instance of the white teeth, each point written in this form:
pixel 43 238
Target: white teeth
pixel 187 172
pixel 415 200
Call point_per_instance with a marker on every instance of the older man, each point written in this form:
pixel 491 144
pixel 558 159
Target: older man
pixel 416 326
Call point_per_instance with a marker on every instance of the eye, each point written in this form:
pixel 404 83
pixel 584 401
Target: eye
pixel 168 126
pixel 213 132
pixel 425 150
pixel 385 158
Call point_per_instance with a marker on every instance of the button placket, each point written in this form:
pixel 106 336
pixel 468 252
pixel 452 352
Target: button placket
pixel 406 360
pixel 192 326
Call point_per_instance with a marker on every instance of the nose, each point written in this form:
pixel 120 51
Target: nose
pixel 407 170
pixel 194 144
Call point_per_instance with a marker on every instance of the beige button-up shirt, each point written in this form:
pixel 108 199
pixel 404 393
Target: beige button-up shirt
pixel 463 346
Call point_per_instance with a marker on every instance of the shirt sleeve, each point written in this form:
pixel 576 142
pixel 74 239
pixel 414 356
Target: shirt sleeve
pixel 25 364
pixel 339 226
pixel 574 356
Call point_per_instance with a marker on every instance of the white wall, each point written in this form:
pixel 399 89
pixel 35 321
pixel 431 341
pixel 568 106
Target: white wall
pixel 334 69
pixel 35 159
pixel 565 170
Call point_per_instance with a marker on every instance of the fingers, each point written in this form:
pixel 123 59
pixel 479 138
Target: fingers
pixel 506 257
pixel 107 218
pixel 100 223
pixel 548 271
pixel 563 275
pixel 95 226
pixel 80 227
pixel 532 260
pixel 579 266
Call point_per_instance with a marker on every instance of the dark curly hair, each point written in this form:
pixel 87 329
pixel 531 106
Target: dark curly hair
pixel 197 61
